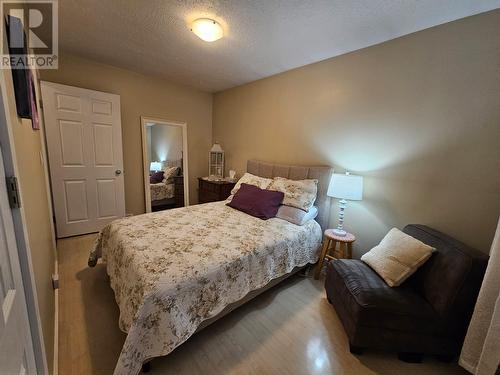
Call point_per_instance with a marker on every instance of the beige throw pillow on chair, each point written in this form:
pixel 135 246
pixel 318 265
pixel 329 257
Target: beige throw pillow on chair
pixel 397 256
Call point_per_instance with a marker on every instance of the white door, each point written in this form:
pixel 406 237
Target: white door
pixel 84 143
pixel 16 347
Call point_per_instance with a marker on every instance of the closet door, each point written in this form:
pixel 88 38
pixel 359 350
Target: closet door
pixel 84 143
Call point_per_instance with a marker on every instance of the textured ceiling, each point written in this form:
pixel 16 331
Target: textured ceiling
pixel 262 37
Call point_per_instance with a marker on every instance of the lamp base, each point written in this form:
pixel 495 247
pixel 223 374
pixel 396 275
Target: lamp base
pixel 339 232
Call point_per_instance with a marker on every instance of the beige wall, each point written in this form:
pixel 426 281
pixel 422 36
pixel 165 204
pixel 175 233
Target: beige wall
pixel 418 116
pixel 144 96
pixel 37 212
pixel 166 142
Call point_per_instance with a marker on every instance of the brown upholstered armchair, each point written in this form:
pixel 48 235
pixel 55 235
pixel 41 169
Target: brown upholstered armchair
pixel 427 314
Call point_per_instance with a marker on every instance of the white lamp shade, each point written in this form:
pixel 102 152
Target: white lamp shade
pixel 216 148
pixel 155 166
pixel 346 186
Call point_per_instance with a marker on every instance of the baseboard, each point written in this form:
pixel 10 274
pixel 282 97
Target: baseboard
pixel 56 325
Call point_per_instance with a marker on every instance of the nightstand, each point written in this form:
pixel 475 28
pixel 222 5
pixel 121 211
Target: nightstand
pixel 330 251
pixel 213 191
pixel 179 191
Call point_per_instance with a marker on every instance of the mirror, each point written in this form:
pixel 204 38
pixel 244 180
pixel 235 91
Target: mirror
pixel 164 151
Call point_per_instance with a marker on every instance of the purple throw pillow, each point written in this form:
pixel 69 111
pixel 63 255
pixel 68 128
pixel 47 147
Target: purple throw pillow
pixel 257 202
pixel 156 177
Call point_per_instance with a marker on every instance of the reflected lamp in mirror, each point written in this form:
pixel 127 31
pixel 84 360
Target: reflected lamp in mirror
pixel 155 166
pixel 216 162
pixel 345 187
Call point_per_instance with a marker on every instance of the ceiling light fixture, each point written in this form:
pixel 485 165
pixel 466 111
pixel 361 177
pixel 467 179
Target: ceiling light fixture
pixel 207 29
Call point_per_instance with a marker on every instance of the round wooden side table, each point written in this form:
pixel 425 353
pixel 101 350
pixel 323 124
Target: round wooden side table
pixel 330 251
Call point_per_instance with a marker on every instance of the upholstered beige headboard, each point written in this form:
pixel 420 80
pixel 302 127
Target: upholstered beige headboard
pixel 293 172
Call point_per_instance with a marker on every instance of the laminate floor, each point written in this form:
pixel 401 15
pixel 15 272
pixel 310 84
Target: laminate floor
pixel 289 330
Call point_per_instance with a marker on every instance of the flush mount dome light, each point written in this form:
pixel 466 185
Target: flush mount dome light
pixel 207 29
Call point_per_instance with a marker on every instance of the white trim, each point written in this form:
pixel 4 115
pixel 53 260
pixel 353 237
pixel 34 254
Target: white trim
pixel 45 161
pixel 44 156
pixel 56 324
pixel 145 166
pixel 19 219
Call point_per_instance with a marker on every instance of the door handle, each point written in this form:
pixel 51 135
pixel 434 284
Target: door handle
pixel 118 172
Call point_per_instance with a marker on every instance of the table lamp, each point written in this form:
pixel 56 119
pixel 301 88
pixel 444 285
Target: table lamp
pixel 345 187
pixel 155 166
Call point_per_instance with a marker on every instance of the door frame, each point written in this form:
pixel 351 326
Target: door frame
pixel 145 166
pixel 19 221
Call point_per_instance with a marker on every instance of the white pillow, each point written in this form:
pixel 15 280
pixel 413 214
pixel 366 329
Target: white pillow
pixel 397 256
pixel 298 193
pixel 169 172
pixel 251 179
pixel 295 215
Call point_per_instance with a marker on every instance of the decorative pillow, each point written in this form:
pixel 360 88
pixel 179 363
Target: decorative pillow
pixel 295 215
pixel 156 177
pixel 257 202
pixel 170 172
pixel 397 256
pixel 298 193
pixel 251 179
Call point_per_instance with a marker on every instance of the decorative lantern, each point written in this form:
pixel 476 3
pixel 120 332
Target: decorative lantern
pixel 216 161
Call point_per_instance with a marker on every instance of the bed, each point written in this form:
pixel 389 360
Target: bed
pixel 162 194
pixel 161 191
pixel 165 189
pixel 174 272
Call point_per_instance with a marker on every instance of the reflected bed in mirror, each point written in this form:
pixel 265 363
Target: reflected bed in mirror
pixel 164 149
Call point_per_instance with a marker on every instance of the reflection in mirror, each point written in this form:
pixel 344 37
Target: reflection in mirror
pixel 163 152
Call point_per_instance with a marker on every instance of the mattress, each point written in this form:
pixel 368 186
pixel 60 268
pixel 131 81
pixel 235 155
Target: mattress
pixel 174 269
pixel 161 191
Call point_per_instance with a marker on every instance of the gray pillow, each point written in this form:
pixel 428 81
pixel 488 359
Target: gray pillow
pixel 295 215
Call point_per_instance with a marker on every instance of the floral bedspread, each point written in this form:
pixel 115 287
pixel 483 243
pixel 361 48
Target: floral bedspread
pixel 173 269
pixel 161 191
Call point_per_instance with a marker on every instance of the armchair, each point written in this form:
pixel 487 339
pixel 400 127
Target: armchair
pixel 428 314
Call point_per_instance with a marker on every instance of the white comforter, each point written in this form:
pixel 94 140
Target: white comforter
pixel 173 269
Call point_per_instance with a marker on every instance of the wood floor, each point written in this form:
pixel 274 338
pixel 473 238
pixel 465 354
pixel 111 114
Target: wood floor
pixel 291 329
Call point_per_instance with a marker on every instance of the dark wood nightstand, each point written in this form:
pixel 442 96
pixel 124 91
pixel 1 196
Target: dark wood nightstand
pixel 179 191
pixel 213 191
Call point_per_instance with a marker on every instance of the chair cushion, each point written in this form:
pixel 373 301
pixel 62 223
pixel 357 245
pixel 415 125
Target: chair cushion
pixel 370 302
